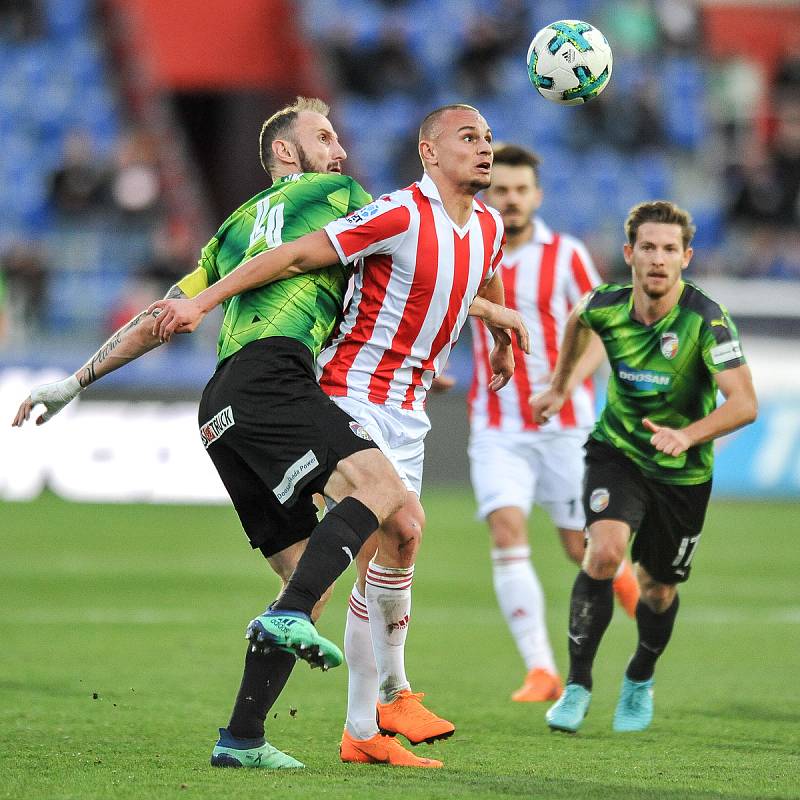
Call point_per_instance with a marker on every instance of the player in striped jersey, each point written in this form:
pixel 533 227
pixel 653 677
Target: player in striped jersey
pixel 649 459
pixel 425 254
pixel 301 152
pixel 515 462
pixel 302 309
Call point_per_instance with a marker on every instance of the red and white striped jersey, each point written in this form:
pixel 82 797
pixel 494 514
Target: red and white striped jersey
pixel 543 280
pixel 418 274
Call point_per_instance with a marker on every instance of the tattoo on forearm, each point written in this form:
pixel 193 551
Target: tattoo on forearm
pixel 175 293
pixel 88 375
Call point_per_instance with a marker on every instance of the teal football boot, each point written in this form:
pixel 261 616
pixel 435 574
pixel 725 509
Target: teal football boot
pixel 293 632
pixel 568 713
pixel 257 753
pixel 635 707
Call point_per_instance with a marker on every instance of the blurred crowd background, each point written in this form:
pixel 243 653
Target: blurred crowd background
pixel 129 131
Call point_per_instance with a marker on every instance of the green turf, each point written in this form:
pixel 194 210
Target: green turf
pixel 145 607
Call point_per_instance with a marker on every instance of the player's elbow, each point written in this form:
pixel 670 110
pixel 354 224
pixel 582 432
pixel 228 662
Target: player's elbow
pixel 750 410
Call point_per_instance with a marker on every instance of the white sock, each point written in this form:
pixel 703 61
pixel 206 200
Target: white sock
pixel 362 680
pixel 389 604
pixel 521 600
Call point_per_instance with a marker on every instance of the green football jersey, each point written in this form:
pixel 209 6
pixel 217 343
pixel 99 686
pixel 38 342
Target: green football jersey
pixel 305 307
pixel 662 371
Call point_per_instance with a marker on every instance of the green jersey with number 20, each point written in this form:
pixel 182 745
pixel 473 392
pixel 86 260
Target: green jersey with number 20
pixel 305 307
pixel 662 371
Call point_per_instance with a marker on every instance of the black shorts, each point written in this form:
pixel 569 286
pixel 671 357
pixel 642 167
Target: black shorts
pixel 666 518
pixel 275 438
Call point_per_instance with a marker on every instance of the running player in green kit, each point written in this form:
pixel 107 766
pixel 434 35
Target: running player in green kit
pixel 649 458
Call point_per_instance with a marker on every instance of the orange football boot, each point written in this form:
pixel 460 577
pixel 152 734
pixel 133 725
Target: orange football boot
pixel 406 715
pixel 626 588
pixel 540 685
pixel 381 749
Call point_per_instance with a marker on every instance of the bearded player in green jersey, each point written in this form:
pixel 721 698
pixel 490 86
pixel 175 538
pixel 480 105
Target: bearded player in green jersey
pixel 649 458
pixel 268 330
pixel 281 329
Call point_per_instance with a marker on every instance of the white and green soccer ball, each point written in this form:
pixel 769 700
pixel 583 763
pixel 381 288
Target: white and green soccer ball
pixel 569 62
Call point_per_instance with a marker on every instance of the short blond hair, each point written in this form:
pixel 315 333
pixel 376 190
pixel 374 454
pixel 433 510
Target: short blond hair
pixel 281 123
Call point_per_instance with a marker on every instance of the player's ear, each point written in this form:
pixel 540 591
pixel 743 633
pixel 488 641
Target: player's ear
pixel 627 253
pixel 687 257
pixel 283 150
pixel 427 152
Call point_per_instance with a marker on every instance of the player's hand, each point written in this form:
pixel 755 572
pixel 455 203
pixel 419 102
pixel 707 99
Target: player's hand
pixel 511 322
pixel 546 404
pixel 671 441
pixel 442 383
pixel 501 360
pixel 53 396
pixel 175 316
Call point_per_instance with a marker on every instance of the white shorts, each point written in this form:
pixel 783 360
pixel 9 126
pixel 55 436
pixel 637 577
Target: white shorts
pixel 520 469
pixel 399 433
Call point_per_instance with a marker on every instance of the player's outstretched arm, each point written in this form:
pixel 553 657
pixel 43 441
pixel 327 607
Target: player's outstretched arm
pixel 577 337
pixel 739 408
pixel 132 340
pixel 309 252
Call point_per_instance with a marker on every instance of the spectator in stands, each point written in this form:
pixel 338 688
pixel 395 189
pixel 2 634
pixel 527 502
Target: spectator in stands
pixel 79 185
pixel 25 273
pixel 173 256
pixel 136 182
pixel 20 20
pixel 478 65
pixel 382 67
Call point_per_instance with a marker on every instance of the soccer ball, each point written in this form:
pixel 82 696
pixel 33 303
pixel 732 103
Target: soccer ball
pixel 569 62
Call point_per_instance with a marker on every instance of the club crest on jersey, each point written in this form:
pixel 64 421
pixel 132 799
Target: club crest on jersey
pixel 598 501
pixel 669 344
pixel 360 431
pixel 216 426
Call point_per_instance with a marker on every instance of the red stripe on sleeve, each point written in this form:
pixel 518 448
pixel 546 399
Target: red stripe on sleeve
pixel 489 230
pixel 521 379
pixel 376 229
pixel 426 267
pixel 579 273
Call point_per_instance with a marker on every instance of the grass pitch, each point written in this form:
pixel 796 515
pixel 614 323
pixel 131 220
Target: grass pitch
pixel 121 642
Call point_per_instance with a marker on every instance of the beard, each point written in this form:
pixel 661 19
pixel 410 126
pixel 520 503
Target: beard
pixel 305 163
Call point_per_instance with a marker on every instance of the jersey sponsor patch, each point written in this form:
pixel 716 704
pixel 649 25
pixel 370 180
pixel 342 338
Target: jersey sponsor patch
pixel 669 344
pixel 285 489
pixel 727 351
pixel 643 380
pixel 598 500
pixel 363 214
pixel 216 426
pixel 360 431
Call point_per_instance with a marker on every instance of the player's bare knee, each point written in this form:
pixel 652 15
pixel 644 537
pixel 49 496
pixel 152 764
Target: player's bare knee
pixel 657 596
pixel 369 477
pixel 602 559
pixel 508 528
pixel 400 535
pixel 574 544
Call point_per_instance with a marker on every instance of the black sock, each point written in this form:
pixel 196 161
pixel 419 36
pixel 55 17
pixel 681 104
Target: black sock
pixel 333 544
pixel 590 610
pixel 654 632
pixel 265 675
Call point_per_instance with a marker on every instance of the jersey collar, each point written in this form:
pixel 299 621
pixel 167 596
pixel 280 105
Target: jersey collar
pixel 542 234
pixel 431 191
